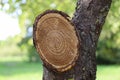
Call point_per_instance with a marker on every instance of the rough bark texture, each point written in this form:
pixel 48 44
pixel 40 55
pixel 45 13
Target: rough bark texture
pixel 89 18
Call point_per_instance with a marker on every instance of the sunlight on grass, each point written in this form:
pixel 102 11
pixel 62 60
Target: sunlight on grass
pixel 111 72
pixel 18 70
pixel 27 76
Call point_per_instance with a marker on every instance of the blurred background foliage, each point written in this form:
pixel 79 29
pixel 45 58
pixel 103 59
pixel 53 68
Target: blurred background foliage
pixel 108 50
pixel 18 55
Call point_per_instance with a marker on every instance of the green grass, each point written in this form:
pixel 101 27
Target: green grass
pixel 110 72
pixel 18 70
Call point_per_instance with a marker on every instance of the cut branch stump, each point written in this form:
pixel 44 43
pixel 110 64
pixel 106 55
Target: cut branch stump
pixel 56 40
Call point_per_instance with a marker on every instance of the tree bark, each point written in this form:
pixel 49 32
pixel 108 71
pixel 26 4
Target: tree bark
pixel 89 18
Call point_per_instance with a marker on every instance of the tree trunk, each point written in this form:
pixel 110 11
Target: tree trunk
pixel 89 18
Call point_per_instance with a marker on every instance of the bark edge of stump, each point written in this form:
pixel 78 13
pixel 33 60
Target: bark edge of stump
pixel 52 24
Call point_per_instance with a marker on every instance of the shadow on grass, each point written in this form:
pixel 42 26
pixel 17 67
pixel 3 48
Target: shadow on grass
pixel 18 67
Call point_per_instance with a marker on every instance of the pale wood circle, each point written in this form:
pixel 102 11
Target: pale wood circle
pixel 56 41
